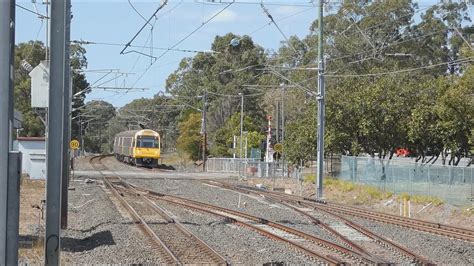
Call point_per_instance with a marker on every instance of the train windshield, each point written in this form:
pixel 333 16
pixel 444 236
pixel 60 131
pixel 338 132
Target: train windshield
pixel 145 142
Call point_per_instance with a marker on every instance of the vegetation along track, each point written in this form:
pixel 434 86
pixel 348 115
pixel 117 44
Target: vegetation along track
pixel 177 245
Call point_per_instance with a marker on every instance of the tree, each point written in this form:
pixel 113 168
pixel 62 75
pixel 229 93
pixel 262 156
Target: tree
pixel 300 142
pixel 190 139
pixel 223 138
pixel 34 52
pixel 223 75
pixel 95 120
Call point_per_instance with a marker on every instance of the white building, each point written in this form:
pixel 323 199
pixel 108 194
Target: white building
pixel 33 150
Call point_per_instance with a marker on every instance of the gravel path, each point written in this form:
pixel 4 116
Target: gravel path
pixel 98 233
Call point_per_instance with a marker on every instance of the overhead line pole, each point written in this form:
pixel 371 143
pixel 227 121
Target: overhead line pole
pixel 241 122
pixel 14 160
pixel 6 111
pixel 204 131
pixel 66 119
pixel 320 100
pixel 52 245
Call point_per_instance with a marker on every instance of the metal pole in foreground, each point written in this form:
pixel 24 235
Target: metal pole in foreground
pixel 241 122
pixel 54 144
pixel 320 100
pixel 66 119
pixel 204 131
pixel 6 23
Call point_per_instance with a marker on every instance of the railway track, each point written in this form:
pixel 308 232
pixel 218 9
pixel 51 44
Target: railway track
pixel 176 244
pixel 321 250
pixel 333 208
pixel 354 236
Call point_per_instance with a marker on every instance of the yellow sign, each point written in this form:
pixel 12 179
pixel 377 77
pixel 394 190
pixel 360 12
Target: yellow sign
pixel 74 145
pixel 278 147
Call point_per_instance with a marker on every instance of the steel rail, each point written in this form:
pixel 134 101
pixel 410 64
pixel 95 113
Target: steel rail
pixel 227 213
pixel 375 216
pixel 420 225
pixel 169 257
pixel 379 239
pixel 218 259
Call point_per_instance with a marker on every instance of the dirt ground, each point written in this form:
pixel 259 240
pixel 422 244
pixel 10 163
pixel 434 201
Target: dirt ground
pixel 444 213
pixel 31 221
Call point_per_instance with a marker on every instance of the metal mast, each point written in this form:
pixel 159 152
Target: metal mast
pixel 320 100
pixel 54 144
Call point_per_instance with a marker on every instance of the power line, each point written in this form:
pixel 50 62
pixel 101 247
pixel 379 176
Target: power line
pixel 32 11
pixel 141 29
pixel 143 47
pixel 276 25
pixel 136 11
pixel 220 2
pixel 183 39
pixel 460 61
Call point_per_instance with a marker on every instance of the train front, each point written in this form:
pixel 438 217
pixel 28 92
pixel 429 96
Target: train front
pixel 147 148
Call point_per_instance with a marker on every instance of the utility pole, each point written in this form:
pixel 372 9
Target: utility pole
pixel 52 245
pixel 282 117
pixel 320 100
pixel 241 121
pixel 7 43
pixel 66 119
pixel 204 131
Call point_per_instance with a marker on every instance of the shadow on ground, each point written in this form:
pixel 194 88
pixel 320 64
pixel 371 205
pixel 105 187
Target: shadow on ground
pixel 103 238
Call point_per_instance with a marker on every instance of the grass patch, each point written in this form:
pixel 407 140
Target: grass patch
pixel 341 185
pixel 421 199
pixel 309 179
pixel 355 193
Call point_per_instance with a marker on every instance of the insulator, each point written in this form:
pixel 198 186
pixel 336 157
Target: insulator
pixel 26 66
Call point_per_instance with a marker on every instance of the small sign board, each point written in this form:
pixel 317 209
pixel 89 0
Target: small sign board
pixel 278 147
pixel 74 145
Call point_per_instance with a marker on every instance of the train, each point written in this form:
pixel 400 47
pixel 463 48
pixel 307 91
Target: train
pixel 138 147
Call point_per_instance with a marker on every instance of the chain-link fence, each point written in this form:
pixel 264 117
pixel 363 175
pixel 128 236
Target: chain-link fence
pixel 453 184
pixel 249 167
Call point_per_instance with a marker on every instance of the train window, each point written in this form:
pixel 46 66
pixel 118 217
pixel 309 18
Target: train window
pixel 147 143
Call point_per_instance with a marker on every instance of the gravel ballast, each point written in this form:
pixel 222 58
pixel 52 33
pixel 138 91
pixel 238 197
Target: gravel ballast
pixel 98 233
pixel 101 232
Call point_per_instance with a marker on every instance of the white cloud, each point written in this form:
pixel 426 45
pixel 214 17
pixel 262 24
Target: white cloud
pixel 225 16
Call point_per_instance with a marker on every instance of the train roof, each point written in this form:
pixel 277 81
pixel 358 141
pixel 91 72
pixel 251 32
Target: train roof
pixel 134 133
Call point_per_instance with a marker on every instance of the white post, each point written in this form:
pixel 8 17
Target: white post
pixel 234 146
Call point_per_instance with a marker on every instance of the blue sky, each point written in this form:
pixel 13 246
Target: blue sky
pixel 115 22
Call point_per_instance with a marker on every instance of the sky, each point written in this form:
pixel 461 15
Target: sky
pixel 115 22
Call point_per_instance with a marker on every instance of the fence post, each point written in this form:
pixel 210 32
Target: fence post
pixel 429 180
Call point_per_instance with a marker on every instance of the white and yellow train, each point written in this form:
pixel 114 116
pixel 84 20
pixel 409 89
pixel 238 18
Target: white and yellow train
pixel 138 147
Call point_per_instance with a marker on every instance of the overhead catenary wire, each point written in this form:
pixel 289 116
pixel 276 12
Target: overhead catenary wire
pixel 460 61
pixel 136 11
pixel 141 29
pixel 32 11
pixel 265 10
pixel 183 39
pixel 143 46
